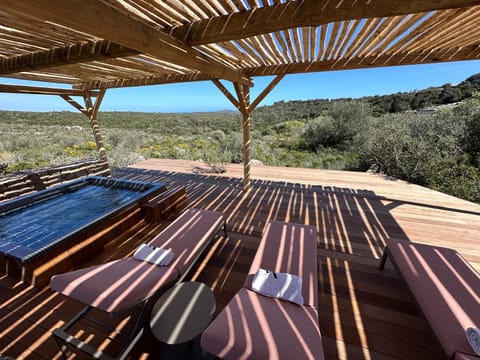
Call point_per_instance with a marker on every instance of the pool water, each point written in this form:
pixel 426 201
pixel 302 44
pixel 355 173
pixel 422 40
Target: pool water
pixel 47 220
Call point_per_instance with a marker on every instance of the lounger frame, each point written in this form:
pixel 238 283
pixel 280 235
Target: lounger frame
pixel 387 255
pixel 287 236
pixel 67 341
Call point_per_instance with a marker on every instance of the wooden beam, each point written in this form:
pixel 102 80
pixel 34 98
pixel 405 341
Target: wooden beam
pixel 227 93
pixel 293 14
pixel 99 19
pixel 78 53
pixel 403 58
pixel 22 89
pixel 243 102
pixel 265 92
pixel 75 104
pixel 48 77
pixel 150 80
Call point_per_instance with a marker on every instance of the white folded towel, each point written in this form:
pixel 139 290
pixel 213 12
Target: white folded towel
pixel 280 285
pixel 473 337
pixel 153 254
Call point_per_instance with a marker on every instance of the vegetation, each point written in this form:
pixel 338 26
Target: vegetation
pixel 397 135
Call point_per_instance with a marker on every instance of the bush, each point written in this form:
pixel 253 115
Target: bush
pixel 338 126
pixel 320 133
pixel 422 149
pixel 457 179
pixel 232 148
pixel 472 140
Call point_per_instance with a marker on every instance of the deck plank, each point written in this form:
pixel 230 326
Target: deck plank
pixel 364 313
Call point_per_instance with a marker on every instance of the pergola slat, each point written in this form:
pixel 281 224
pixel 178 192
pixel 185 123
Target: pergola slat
pixel 19 89
pixel 306 43
pixel 432 38
pixel 313 43
pixel 140 37
pixel 356 41
pixel 346 39
pixel 379 36
pixel 405 58
pixel 74 54
pixel 291 46
pixel 333 39
pixel 301 13
pixel 405 24
pixel 362 35
pixel 415 34
pixel 323 35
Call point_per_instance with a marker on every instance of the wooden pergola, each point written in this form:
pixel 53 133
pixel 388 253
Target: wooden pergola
pixel 96 45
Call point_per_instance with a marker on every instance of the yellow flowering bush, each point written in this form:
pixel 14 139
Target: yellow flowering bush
pixel 91 145
pixel 74 150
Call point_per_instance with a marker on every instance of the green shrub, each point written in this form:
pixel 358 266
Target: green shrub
pixel 439 150
pixel 338 126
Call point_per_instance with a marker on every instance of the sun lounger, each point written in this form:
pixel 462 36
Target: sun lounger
pixel 462 356
pixel 290 248
pixel 253 326
pixel 119 285
pixel 446 288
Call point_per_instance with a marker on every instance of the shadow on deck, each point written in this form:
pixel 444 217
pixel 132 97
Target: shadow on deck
pixel 364 313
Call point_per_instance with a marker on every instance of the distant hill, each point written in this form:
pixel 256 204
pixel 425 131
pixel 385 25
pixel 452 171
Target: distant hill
pixel 263 118
pixel 381 104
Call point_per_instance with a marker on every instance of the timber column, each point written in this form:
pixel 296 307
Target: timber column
pixel 247 164
pixel 92 111
pixel 242 103
pixel 243 93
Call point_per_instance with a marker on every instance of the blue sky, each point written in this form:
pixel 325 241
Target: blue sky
pixel 204 96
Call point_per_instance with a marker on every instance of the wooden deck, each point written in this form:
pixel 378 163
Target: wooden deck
pixel 364 313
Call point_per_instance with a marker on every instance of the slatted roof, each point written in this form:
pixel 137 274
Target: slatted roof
pixel 114 43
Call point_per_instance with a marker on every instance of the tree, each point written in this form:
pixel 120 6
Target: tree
pixel 338 126
pixel 400 103
pixel 450 94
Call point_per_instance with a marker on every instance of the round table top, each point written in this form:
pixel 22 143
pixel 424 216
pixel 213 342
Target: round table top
pixel 182 312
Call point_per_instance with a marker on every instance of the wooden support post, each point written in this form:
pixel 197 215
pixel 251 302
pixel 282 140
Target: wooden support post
pixel 227 93
pixel 92 110
pixel 243 94
pixel 245 107
pixel 265 92
pixel 247 164
pixel 75 104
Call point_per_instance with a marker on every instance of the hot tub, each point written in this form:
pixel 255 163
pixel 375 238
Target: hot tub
pixel 37 228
